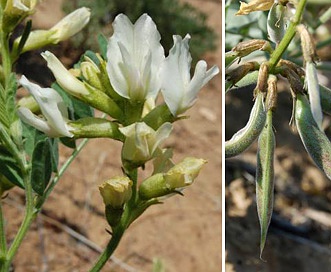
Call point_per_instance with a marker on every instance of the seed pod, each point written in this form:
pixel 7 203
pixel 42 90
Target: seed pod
pixel 247 135
pixel 276 23
pixel 314 93
pixel 325 95
pixel 265 178
pixel 315 141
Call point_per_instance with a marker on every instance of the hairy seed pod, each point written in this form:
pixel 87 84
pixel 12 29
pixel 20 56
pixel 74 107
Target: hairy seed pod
pixel 265 178
pixel 247 135
pixel 315 141
pixel 325 95
pixel 276 23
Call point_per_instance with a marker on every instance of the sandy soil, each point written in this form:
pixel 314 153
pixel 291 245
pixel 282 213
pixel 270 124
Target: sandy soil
pixel 184 232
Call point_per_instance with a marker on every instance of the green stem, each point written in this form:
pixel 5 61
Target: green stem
pixel 111 246
pixel 56 179
pixel 3 242
pixel 28 219
pixel 279 51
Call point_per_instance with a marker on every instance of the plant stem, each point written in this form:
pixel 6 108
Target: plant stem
pixel 279 51
pixel 28 219
pixel 111 246
pixel 3 242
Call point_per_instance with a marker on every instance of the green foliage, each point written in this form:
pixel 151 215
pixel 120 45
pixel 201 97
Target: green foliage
pixel 170 16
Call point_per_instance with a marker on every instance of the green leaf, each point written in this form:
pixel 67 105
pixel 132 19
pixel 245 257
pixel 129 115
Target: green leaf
pixel 265 178
pixel 41 166
pixel 9 168
pixel 103 44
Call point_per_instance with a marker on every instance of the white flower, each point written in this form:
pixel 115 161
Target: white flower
pixel 65 79
pixel 142 141
pixel 134 58
pixel 67 27
pixel 52 107
pixel 178 89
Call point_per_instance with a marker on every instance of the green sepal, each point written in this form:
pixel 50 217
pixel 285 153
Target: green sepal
pixel 158 116
pixel 91 127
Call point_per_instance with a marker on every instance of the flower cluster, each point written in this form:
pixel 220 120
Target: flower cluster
pixel 124 85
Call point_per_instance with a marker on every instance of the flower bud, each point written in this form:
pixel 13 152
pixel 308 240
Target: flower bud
pixel 184 173
pixel 116 191
pixel 63 30
pixel 91 74
pixel 142 141
pixel 15 11
pixel 79 89
pixel 179 176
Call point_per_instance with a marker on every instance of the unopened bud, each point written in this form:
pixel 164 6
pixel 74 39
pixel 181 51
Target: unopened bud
pixel 184 173
pixel 91 74
pixel 116 191
pixel 177 177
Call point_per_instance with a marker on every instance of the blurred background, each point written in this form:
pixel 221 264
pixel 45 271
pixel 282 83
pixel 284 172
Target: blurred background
pixel 183 234
pixel 299 236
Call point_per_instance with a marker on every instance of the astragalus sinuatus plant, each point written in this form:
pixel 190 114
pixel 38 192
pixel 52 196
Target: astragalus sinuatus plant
pixel 122 82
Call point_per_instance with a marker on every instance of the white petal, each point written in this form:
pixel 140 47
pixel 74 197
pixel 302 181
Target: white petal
pixel 66 80
pixel 176 74
pixel 71 24
pixel 134 57
pixel 200 78
pixel 28 117
pixel 51 105
pixel 161 134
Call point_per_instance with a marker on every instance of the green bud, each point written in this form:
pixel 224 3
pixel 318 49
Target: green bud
pixel 183 173
pixel 116 191
pixel 15 11
pixel 91 73
pixel 90 127
pixel 179 176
